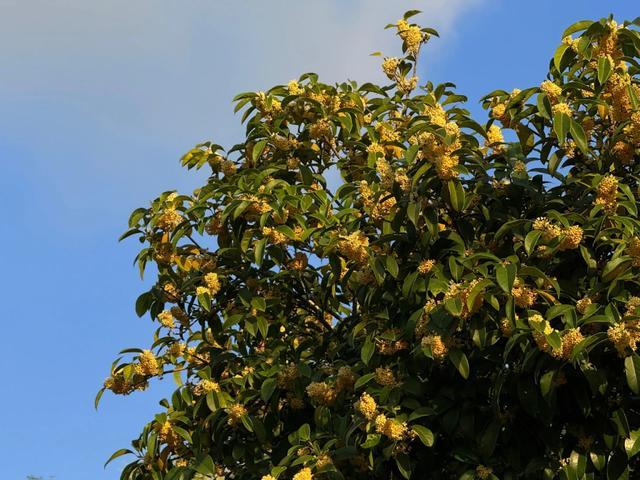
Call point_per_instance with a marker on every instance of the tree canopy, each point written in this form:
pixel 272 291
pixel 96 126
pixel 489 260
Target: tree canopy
pixel 374 285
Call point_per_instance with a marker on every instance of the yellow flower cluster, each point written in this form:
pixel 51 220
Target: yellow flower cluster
pixel 520 168
pixel 299 262
pixel 119 385
pixel 498 111
pixel 166 319
pixel 495 139
pixel 393 429
pixel 632 130
pixel 461 291
pixel 562 107
pixel 616 94
pixel 385 376
pixel 625 337
pixel 257 205
pixel 169 219
pixel 632 307
pixel 607 191
pixel 212 283
pixel 180 315
pixel 267 105
pixel 171 293
pixel 177 349
pixel 167 434
pixel 355 247
pixel 295 88
pixel 542 328
pixel 572 236
pixel 321 393
pixel 274 236
pixel 583 304
pixel 147 364
pixel 304 474
pixel 623 151
pixel 345 379
pixel 390 67
pixel 236 412
pixel 320 129
pixel 570 339
pixel 439 349
pixel 411 35
pixel 287 376
pixel 386 173
pixel 506 327
pixel 375 148
pixel 523 295
pixel 367 406
pixel 483 472
pixel 548 229
pixel 425 266
pixel 205 386
pixel 552 90
pixel 406 85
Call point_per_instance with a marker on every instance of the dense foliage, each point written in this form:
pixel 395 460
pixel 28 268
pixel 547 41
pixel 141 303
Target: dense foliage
pixel 372 285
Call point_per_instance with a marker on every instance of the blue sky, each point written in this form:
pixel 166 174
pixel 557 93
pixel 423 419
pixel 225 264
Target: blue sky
pixel 98 100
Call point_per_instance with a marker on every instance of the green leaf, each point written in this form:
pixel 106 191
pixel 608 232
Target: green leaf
pixel 367 351
pixel 577 27
pixel 544 106
pixel 531 240
pixel 392 266
pixel 363 380
pixel 554 340
pixel 96 401
pixel 615 268
pixel 561 57
pixel 632 371
pixel 118 453
pixel 460 361
pixel 632 444
pixel 404 465
pixel 258 149
pixel 259 251
pixel 546 382
pixel 424 434
pixel 205 466
pixel 505 276
pixel 267 389
pixel 617 465
pixel 456 195
pixel 372 440
pixel 577 132
pixel 604 69
pixel 561 125
pixel 304 432
pixel 411 153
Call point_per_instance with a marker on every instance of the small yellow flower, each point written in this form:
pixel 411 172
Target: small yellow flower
pixel 304 474
pixel 425 266
pixel 390 66
pixel 236 412
pixel 147 364
pixel 166 319
pixel 367 406
pixel 562 108
pixel 385 377
pixel 552 90
pixel 205 386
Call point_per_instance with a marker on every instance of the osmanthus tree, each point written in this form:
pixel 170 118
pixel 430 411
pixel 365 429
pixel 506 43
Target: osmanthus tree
pixel 372 285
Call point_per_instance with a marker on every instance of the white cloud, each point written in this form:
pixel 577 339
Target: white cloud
pixel 121 86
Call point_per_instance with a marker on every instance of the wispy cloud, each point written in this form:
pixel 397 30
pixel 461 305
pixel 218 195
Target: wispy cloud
pixel 114 91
